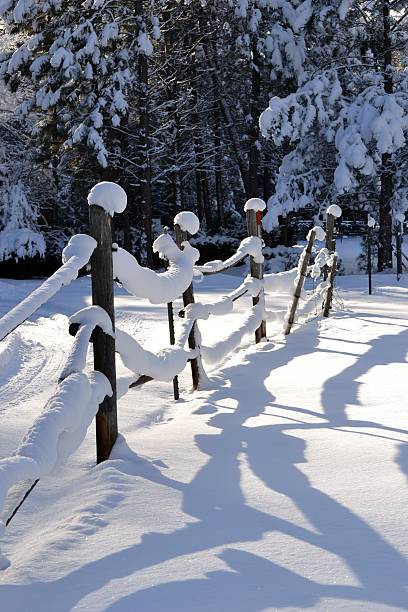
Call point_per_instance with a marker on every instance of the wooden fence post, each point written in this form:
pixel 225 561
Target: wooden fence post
pixel 369 262
pixel 329 294
pixel 330 272
pixel 253 210
pixel 188 298
pixel 300 282
pixel 398 240
pixel 103 344
pixel 170 318
pixel 330 241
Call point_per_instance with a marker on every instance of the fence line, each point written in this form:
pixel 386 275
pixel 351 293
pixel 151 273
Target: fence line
pixel 94 395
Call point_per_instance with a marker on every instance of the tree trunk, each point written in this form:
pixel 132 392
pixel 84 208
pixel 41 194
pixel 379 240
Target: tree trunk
pixel 387 186
pixel 254 155
pixel 219 191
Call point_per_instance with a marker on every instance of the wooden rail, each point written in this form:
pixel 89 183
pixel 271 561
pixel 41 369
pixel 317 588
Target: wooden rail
pixel 301 281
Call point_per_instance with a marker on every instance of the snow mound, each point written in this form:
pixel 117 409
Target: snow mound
pixel 280 282
pixel 110 196
pixel 94 316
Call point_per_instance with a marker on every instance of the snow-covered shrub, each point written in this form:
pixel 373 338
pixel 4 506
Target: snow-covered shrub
pixel 281 258
pixel 218 246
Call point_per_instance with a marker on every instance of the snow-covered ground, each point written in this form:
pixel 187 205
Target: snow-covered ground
pixel 281 487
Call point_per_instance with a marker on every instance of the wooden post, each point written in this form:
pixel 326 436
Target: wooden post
pixel 330 241
pixel 188 298
pixel 398 240
pixel 369 262
pixel 301 281
pixel 103 344
pixel 170 317
pixel 254 218
pixel 329 272
pixel 329 294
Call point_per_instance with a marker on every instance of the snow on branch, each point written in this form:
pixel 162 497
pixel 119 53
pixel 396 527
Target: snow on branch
pixel 59 430
pixel 294 116
pixel 75 256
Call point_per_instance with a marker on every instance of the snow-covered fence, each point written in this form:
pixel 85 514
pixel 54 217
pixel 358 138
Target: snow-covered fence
pixel 300 280
pixel 61 427
pixel 81 396
pixel 186 223
pixel 75 256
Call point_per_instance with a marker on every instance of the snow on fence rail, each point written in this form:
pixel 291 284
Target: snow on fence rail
pixel 62 426
pixel 75 256
pixel 81 396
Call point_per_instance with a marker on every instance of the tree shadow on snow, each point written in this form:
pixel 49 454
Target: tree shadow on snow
pixel 222 517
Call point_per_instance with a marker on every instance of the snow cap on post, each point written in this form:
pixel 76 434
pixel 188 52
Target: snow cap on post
pixel 187 221
pixel 370 221
pixel 334 210
pixel 320 234
pixel 110 196
pixel 255 204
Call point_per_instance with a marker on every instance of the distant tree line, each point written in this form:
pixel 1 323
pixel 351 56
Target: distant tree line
pixel 199 105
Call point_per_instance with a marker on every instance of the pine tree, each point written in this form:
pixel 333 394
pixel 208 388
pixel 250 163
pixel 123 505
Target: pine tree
pixel 81 63
pixel 355 104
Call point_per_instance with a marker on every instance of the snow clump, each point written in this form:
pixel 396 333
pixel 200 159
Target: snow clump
pixel 110 196
pixel 188 222
pixel 255 204
pixel 334 210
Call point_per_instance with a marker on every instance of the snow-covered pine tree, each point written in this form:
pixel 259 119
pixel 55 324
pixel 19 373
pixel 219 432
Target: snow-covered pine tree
pixel 81 62
pixel 352 106
pixel 19 236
